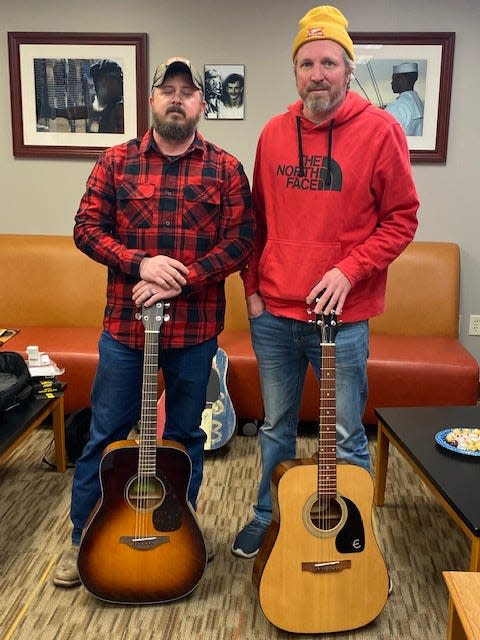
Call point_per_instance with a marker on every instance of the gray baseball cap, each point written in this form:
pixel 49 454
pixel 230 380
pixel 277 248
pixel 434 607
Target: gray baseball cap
pixel 177 64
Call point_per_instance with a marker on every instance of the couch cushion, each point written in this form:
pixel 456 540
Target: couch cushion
pixel 409 371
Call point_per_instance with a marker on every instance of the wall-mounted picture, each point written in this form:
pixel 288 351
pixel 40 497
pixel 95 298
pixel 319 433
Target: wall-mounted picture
pixel 409 75
pixel 74 94
pixel 224 91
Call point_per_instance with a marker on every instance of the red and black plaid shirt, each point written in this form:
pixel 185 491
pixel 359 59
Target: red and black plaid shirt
pixel 195 208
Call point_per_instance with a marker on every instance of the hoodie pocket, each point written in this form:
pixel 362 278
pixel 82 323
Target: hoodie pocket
pixel 289 270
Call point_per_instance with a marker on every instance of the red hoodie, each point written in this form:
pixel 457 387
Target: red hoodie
pixel 336 194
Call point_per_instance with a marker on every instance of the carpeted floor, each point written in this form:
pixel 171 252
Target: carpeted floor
pixel 418 538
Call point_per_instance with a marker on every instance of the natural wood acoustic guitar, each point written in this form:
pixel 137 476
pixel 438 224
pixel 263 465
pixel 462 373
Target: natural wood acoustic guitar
pixel 142 543
pixel 320 569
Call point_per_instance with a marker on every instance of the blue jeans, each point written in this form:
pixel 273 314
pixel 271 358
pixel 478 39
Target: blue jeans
pixel 283 348
pixel 116 403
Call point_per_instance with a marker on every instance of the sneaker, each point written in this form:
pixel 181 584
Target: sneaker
pixel 66 572
pixel 248 540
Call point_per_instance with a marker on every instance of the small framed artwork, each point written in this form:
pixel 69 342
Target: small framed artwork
pixel 224 91
pixel 75 94
pixel 409 75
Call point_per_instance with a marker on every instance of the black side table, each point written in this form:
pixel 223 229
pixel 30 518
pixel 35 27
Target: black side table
pixel 18 423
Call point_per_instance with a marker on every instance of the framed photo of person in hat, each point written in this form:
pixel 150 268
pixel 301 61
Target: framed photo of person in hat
pixel 410 76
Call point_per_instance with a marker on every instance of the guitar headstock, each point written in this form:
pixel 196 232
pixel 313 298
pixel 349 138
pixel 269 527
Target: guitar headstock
pixel 153 317
pixel 327 327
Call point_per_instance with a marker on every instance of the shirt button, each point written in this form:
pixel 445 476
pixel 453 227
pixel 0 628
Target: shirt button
pixel 167 223
pixel 169 193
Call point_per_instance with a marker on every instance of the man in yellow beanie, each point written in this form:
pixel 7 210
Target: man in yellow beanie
pixel 335 203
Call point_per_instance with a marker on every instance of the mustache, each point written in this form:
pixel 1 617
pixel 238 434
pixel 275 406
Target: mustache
pixel 175 109
pixel 316 86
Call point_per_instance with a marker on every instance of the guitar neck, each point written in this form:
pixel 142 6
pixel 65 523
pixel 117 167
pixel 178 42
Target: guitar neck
pixel 152 318
pixel 327 431
pixel 148 415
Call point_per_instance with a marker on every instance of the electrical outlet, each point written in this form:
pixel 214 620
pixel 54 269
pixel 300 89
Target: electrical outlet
pixel 474 327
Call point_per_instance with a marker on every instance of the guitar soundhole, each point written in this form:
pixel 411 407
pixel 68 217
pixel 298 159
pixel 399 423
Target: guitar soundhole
pixel 324 517
pixel 326 514
pixel 145 494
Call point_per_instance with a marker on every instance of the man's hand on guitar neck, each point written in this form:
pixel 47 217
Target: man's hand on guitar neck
pixel 147 293
pixel 330 292
pixel 162 278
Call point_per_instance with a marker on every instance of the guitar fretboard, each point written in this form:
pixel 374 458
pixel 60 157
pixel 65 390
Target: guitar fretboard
pixel 148 416
pixel 327 431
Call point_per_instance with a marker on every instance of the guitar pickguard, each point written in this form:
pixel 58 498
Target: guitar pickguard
pixel 168 516
pixel 351 538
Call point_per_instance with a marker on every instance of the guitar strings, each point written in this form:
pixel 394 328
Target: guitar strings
pixel 148 422
pixel 326 481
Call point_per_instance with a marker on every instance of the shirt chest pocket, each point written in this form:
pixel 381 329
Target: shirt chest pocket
pixel 136 204
pixel 202 207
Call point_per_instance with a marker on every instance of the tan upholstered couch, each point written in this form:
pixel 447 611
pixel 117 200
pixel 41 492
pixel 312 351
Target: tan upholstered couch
pixel 55 295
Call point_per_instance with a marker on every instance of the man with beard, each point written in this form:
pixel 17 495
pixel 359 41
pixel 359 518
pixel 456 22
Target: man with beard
pixel 170 216
pixel 107 106
pixel 335 203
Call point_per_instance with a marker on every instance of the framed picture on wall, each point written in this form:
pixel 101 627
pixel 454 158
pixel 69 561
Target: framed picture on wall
pixel 75 94
pixel 224 91
pixel 410 75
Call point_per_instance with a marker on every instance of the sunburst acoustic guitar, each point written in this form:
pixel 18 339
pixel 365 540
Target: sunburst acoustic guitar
pixel 142 543
pixel 320 569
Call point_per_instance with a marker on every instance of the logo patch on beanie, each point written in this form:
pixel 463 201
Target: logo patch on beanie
pixel 315 32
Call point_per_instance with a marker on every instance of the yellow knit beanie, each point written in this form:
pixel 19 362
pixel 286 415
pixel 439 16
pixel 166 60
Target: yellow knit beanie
pixel 323 23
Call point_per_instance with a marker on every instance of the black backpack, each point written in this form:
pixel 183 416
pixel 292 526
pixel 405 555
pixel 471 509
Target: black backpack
pixel 77 432
pixel 15 380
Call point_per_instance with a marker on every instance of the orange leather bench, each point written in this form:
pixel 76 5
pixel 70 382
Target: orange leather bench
pixel 55 295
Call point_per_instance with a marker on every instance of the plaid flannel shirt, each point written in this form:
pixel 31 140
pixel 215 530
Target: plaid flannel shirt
pixel 195 208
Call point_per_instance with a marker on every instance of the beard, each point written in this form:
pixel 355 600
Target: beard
pixel 175 130
pixel 324 103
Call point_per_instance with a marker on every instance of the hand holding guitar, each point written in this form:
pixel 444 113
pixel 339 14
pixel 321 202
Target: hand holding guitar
pixel 162 278
pixel 335 287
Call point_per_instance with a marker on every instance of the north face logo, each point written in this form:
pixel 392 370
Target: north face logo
pixel 315 175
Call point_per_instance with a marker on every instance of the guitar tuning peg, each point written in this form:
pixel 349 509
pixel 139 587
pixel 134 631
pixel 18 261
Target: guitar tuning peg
pixel 138 316
pixel 166 305
pixel 166 318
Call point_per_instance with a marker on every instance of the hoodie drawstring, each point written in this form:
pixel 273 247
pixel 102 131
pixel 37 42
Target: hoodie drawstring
pixel 328 180
pixel 301 166
pixel 300 149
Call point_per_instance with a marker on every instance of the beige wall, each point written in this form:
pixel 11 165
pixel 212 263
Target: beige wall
pixel 41 196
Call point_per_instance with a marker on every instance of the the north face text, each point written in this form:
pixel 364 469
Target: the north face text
pixel 314 176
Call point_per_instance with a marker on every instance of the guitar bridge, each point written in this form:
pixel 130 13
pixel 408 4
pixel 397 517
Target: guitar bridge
pixel 326 567
pixel 144 544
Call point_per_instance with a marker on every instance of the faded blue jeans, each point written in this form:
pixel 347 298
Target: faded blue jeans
pixel 116 403
pixel 283 348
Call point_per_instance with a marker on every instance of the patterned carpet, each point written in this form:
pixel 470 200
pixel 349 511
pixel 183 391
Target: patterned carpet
pixel 418 538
